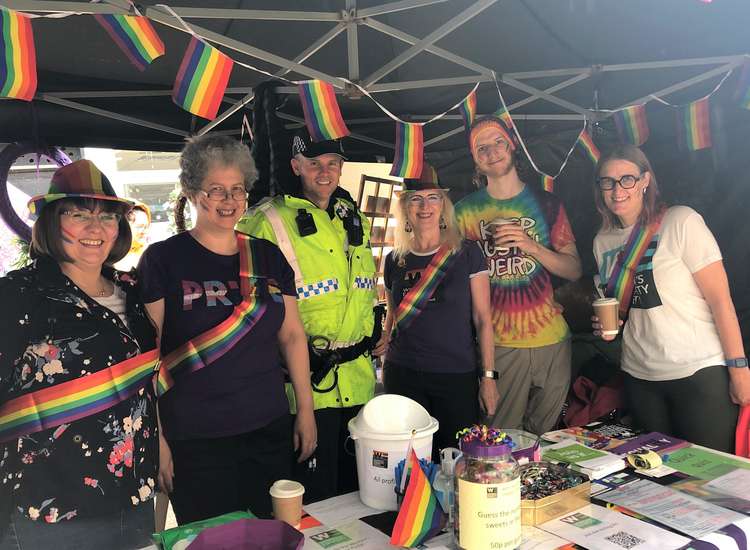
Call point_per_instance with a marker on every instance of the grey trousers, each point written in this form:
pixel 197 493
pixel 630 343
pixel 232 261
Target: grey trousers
pixel 533 385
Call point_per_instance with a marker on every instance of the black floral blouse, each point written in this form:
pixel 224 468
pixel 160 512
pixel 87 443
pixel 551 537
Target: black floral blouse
pixel 52 332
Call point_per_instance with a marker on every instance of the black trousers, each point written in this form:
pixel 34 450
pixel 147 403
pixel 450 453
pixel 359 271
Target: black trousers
pixel 332 469
pixel 452 399
pixel 225 474
pixel 697 408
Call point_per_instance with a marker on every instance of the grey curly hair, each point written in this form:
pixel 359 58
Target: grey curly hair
pixel 201 153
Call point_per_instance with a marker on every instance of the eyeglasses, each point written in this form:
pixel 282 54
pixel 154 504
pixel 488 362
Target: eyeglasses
pixel 627 181
pixel 419 200
pixel 499 145
pixel 83 217
pixel 218 194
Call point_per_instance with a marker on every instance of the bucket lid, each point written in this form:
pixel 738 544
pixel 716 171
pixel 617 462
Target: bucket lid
pixel 391 416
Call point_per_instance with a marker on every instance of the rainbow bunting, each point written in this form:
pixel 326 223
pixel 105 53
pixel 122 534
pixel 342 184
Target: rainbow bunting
pixel 503 114
pixel 622 279
pixel 407 160
pixel 415 300
pixel 75 399
pixel 742 93
pixel 207 347
pixel 548 183
pixel 322 114
pixel 589 147
pixel 135 36
pixel 420 516
pixel 202 79
pixel 694 127
pixel 17 56
pixel 632 124
pixel 468 109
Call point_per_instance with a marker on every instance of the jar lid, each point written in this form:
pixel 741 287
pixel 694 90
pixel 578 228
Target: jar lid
pixel 479 448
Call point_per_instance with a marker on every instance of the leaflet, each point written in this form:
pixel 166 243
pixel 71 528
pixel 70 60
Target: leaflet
pixel 736 483
pixel 684 513
pixel 703 463
pixel 597 528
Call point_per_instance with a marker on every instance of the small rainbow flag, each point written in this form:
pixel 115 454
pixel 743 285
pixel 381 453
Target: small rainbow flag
pixel 322 114
pixel 694 126
pixel 632 124
pixel 548 183
pixel 742 93
pixel 503 114
pixel 407 161
pixel 202 79
pixel 589 147
pixel 17 56
pixel 135 36
pixel 468 109
pixel 420 517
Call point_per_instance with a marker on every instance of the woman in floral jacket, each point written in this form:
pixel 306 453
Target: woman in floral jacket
pixel 78 439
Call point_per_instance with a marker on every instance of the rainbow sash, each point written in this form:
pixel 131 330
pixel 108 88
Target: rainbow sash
pixel 414 301
pixel 209 346
pixel 75 399
pixel 622 280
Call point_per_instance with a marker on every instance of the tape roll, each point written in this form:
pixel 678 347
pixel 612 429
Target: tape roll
pixel 645 460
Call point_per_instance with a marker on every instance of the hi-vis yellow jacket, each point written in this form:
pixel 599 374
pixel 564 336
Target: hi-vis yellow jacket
pixel 335 286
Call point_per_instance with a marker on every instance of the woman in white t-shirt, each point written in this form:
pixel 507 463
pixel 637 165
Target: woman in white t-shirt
pixel 682 353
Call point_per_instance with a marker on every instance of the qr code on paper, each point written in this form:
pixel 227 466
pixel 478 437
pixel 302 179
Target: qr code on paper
pixel 624 540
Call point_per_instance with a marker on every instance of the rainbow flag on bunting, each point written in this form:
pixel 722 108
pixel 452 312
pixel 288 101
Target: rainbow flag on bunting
pixel 548 183
pixel 589 147
pixel 17 56
pixel 420 517
pixel 742 93
pixel 694 126
pixel 322 114
pixel 503 114
pixel 632 124
pixel 135 36
pixel 202 79
pixel 468 109
pixel 407 160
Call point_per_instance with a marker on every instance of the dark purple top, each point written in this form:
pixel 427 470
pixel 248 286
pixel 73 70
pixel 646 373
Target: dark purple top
pixel 244 389
pixel 440 339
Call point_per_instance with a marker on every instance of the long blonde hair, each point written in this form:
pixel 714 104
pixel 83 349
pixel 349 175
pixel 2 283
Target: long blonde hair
pixel 404 240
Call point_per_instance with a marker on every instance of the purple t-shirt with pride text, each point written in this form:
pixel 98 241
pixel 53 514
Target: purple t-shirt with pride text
pixel 244 389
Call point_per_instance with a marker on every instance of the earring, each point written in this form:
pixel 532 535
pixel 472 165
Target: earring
pixel 644 190
pixel 407 227
pixel 442 223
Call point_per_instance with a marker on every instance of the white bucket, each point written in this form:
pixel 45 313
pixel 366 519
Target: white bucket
pixel 381 433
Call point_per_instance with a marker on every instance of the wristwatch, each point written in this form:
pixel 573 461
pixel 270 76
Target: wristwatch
pixel 490 374
pixel 738 363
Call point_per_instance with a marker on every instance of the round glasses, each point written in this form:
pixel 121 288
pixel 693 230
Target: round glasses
pixel 432 199
pixel 83 217
pixel 627 181
pixel 218 194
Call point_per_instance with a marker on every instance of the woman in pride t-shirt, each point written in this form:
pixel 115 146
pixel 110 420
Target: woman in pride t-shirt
pixel 682 353
pixel 431 354
pixel 226 433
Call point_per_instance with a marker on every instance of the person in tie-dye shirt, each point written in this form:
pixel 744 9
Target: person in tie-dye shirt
pixel 532 340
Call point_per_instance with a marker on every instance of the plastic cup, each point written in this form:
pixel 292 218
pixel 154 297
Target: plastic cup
pixel 286 498
pixel 607 309
pixel 504 221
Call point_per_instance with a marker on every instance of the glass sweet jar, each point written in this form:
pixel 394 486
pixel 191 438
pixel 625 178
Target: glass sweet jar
pixel 488 492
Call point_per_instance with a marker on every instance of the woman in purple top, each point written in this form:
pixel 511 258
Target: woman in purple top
pixel 227 433
pixel 433 357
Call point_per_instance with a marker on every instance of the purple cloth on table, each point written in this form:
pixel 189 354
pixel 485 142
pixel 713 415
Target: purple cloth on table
pixel 249 534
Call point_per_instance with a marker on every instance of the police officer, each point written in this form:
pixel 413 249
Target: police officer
pixel 325 239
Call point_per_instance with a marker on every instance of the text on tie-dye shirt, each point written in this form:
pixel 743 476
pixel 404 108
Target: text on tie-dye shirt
pixel 524 313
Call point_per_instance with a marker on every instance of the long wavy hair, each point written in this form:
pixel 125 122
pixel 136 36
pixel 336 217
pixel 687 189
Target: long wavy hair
pixel 404 240
pixel 652 202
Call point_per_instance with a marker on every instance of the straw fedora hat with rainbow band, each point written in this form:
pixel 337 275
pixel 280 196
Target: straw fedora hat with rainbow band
pixel 79 179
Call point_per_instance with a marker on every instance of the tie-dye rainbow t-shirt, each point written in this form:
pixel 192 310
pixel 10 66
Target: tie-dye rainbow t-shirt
pixel 524 312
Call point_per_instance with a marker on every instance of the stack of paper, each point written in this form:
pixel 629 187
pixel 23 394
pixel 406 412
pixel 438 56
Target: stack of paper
pixel 592 462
